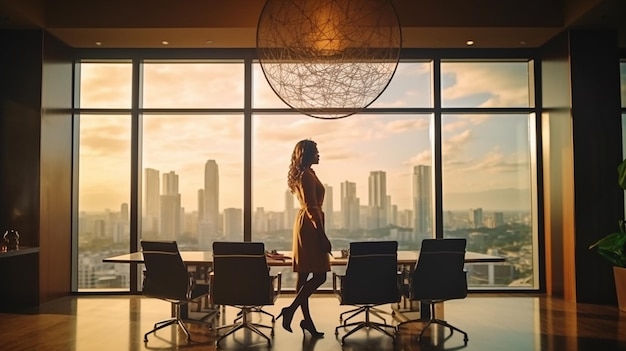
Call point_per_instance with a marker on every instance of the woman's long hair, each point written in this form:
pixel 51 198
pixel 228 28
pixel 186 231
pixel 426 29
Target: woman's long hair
pixel 301 158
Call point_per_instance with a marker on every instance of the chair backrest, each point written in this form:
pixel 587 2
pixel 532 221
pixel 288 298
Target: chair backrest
pixel 166 274
pixel 371 273
pixel 439 272
pixel 241 274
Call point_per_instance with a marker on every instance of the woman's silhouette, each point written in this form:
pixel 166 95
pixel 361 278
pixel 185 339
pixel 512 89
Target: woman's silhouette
pixel 310 255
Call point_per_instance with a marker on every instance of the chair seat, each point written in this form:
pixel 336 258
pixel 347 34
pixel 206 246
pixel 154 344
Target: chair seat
pixel 438 276
pixel 241 278
pixel 166 277
pixel 371 280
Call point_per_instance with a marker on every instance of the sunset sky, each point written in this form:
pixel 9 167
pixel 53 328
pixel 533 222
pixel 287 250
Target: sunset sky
pixel 481 153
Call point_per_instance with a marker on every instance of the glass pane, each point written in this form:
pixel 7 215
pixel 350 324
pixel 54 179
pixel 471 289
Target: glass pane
pixel 487 194
pixel 262 94
pixel 622 72
pixel 411 86
pixel 105 85
pixel 355 152
pixel 193 85
pixel 484 84
pixel 193 179
pixel 103 200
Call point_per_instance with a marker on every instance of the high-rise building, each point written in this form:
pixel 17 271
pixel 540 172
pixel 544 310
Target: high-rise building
pixel 260 225
pixel 290 211
pixel 377 191
pixel 349 206
pixel 476 217
pixel 200 204
pixel 233 224
pixel 422 203
pixel 152 193
pixel 498 219
pixel 211 195
pixel 327 207
pixel 170 207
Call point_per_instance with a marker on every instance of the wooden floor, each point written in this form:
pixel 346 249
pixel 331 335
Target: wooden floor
pixel 493 322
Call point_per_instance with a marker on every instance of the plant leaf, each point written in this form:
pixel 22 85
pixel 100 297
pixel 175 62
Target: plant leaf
pixel 612 247
pixel 621 174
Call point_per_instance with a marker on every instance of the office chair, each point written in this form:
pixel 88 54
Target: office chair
pixel 166 278
pixel 241 278
pixel 371 280
pixel 438 276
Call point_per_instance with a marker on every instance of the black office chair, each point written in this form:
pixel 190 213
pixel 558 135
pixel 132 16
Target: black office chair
pixel 371 280
pixel 241 278
pixel 166 277
pixel 439 276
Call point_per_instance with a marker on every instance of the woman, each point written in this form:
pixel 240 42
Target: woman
pixel 310 245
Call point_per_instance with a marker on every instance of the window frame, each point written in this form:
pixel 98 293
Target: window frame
pixel 248 57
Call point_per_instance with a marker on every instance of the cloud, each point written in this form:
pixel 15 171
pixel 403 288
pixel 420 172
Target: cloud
pixel 400 126
pixel 422 158
pixel 493 84
pixel 105 85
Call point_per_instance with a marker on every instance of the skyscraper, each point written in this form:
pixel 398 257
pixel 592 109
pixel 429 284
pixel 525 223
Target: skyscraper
pixel 200 204
pixel 327 207
pixel 170 207
pixel 151 210
pixel 349 206
pixel 211 195
pixel 422 203
pixel 290 212
pixel 233 224
pixel 377 191
pixel 476 217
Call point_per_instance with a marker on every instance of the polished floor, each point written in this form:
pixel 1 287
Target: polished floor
pixel 493 322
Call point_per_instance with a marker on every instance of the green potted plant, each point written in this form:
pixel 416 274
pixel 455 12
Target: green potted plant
pixel 613 248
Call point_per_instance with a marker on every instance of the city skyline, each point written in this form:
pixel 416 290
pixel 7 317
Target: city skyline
pixel 377 211
pixel 484 156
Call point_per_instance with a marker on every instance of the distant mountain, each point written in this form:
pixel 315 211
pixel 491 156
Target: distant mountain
pixel 490 200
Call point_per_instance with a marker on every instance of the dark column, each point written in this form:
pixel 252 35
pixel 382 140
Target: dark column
pixel 596 119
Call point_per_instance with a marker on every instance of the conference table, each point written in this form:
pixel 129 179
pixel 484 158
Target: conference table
pixel 406 261
pixel 205 258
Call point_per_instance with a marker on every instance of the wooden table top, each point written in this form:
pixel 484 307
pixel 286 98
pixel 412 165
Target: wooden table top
pixel 206 258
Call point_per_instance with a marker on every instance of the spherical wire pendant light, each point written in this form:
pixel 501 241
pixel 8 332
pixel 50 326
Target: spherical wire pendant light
pixel 328 58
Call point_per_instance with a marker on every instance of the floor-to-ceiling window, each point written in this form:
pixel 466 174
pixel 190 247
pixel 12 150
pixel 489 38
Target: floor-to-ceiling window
pixel 488 167
pixel 380 166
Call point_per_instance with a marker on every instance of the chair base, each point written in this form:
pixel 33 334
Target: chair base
pixel 181 323
pixel 432 321
pixel 255 309
pixel 246 324
pixel 367 323
pixel 356 311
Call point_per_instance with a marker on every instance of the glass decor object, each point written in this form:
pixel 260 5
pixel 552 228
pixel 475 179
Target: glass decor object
pixel 328 58
pixel 12 240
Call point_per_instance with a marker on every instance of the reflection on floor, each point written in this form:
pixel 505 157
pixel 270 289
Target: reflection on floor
pixel 493 322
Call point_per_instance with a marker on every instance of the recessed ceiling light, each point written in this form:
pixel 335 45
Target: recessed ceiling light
pixel 165 42
pixel 209 41
pixel 469 42
pixel 523 42
pixel 98 43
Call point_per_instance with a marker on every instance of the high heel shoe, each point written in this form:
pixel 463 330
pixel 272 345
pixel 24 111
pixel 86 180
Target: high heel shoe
pixel 287 317
pixel 308 326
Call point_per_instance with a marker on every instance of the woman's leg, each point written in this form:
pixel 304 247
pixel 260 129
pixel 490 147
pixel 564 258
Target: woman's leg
pixel 306 288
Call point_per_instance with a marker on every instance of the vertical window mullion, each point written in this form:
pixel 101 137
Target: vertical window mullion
pixel 135 171
pixel 437 205
pixel 247 150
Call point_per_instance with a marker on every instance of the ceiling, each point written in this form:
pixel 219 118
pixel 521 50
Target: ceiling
pixel 232 23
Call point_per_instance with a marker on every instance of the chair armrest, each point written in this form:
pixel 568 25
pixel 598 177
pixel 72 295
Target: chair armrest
pixel 404 285
pixel 337 278
pixel 277 285
pixel 191 282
